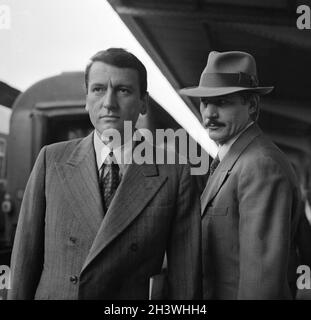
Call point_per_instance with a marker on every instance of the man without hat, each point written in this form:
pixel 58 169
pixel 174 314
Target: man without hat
pixel 250 204
pixel 91 227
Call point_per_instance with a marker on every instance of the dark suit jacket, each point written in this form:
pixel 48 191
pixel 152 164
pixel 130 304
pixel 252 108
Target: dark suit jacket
pixel 250 209
pixel 64 249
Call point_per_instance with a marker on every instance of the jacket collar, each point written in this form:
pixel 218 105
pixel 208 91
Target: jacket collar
pixel 221 173
pixel 138 186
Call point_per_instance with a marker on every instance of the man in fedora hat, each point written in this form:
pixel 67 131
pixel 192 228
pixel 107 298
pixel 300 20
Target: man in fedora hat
pixel 250 204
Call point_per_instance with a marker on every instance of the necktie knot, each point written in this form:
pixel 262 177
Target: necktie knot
pixel 110 158
pixel 214 165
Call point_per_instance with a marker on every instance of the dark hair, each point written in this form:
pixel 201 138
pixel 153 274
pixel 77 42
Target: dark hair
pixel 253 98
pixel 120 58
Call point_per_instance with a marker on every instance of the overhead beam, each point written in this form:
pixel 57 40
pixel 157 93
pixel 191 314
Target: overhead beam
pixel 225 13
pixel 153 50
pixel 279 34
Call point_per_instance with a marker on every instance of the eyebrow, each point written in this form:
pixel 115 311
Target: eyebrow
pixel 96 84
pixel 214 99
pixel 124 85
pixel 99 84
pixel 206 99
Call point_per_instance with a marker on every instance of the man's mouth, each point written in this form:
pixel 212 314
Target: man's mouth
pixel 109 117
pixel 212 125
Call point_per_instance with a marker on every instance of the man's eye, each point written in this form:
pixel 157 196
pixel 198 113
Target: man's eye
pixel 124 90
pixel 204 103
pixel 98 89
pixel 221 102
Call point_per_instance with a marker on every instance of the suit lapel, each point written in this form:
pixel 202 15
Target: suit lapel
pixel 223 170
pixel 138 186
pixel 80 185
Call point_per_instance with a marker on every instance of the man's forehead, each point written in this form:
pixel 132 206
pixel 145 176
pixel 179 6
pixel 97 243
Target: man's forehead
pixel 104 72
pixel 226 96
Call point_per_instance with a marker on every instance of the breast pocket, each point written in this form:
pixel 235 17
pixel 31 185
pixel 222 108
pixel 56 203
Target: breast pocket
pixel 217 211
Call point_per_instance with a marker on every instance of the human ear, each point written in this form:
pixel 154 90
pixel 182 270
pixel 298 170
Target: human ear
pixel 253 104
pixel 145 103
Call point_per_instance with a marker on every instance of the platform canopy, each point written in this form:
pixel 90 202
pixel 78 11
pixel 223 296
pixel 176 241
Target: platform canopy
pixel 179 34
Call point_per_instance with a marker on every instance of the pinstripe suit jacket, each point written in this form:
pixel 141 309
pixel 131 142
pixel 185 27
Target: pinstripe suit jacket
pixel 64 249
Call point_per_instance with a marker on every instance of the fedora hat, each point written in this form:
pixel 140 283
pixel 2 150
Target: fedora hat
pixel 225 73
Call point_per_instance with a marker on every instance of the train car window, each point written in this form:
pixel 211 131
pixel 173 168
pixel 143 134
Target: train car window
pixel 1 166
pixel 2 146
pixel 54 123
pixel 67 128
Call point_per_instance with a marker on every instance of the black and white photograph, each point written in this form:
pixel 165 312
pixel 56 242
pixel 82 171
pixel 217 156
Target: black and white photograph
pixel 155 152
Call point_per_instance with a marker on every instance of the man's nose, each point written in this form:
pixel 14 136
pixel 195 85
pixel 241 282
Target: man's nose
pixel 211 111
pixel 109 99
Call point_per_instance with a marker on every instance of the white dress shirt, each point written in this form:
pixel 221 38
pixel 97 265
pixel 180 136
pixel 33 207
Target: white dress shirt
pixel 122 155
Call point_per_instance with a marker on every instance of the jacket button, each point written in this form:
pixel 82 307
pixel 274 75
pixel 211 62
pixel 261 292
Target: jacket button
pixel 73 239
pixel 134 247
pixel 74 279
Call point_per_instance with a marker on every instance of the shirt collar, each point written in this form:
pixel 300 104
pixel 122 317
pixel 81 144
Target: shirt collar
pixel 224 148
pixel 122 154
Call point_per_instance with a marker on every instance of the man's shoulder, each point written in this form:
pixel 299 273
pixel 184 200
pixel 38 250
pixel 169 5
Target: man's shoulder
pixel 63 145
pixel 263 147
pixel 164 160
pixel 263 153
pixel 62 150
pixel 168 159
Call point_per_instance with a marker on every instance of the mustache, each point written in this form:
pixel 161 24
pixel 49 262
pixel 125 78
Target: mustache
pixel 212 122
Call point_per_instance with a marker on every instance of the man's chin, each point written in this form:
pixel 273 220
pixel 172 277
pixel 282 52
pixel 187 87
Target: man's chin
pixel 109 127
pixel 110 131
pixel 215 135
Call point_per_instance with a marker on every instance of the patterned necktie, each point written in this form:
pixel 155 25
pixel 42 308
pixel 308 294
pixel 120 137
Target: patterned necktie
pixel 213 166
pixel 109 182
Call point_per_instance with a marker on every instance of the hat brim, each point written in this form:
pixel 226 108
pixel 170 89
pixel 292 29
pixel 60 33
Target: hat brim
pixel 218 91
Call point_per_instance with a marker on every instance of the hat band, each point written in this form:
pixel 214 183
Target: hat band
pixel 228 80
